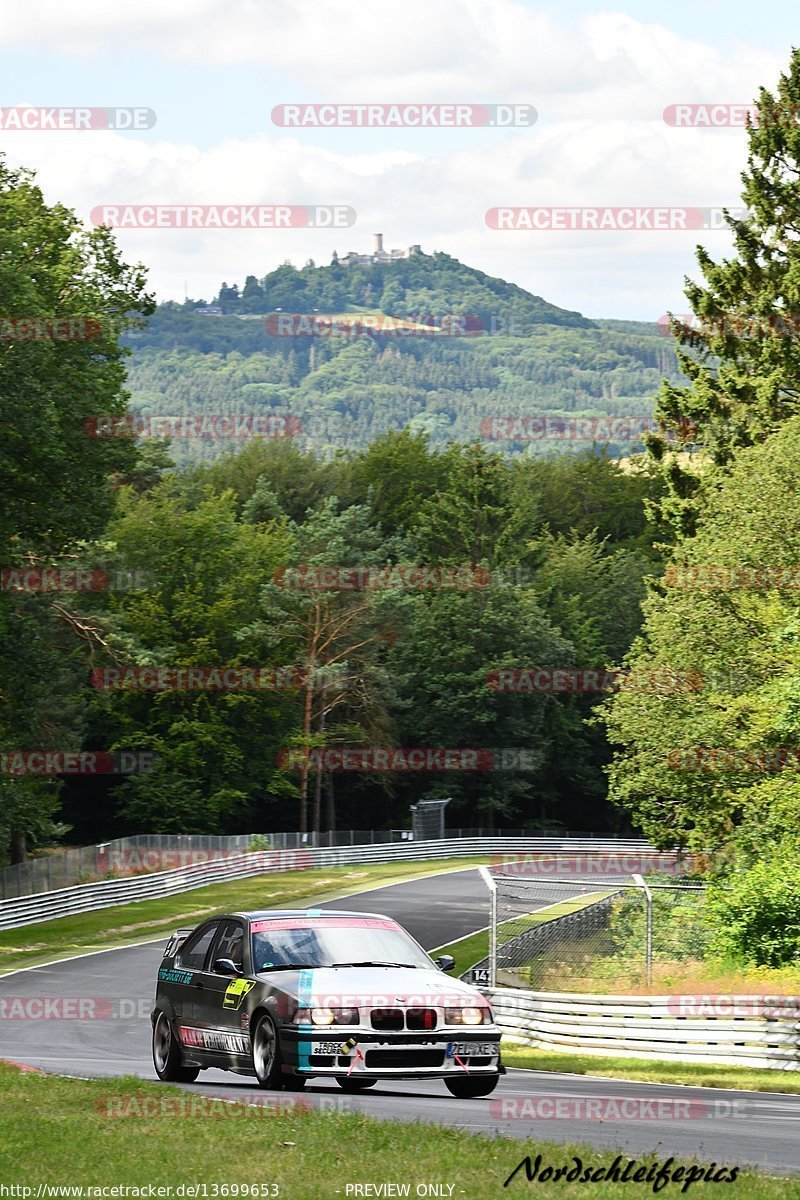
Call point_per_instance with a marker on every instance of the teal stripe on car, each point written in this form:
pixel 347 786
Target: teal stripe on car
pixel 304 995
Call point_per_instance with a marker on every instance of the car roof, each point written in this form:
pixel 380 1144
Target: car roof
pixel 281 914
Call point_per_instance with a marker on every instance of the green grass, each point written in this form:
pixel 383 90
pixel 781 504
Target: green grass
pixel 475 946
pixel 126 923
pixel 652 1070
pixel 58 1131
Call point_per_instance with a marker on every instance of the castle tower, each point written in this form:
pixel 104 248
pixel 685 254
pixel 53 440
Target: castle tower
pixel 377 243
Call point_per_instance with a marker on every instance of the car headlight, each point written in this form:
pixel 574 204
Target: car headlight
pixel 328 1016
pixel 465 1016
pixel 322 1016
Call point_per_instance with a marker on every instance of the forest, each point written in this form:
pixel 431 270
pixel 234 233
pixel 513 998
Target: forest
pixel 382 585
pixel 480 348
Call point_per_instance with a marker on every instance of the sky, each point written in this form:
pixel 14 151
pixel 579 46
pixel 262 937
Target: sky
pixel 213 71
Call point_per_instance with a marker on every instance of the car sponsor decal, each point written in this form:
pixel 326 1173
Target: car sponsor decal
pixel 236 991
pixel 305 988
pixel 170 975
pixel 313 922
pixel 215 1039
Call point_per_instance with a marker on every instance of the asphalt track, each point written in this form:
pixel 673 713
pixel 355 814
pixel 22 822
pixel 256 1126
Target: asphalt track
pixel 710 1125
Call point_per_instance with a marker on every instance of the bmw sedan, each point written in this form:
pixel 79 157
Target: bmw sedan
pixel 287 996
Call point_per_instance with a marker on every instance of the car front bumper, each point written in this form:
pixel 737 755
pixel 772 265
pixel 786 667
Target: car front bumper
pixel 312 1050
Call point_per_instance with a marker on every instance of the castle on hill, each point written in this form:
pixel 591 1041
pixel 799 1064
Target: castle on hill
pixel 378 255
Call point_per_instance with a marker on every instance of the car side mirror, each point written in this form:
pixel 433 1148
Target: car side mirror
pixel 225 966
pixel 445 962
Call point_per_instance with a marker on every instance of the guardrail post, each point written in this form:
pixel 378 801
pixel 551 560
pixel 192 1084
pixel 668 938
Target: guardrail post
pixel 648 946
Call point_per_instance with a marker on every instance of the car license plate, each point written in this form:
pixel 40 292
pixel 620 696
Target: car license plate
pixel 471 1049
pixel 327 1048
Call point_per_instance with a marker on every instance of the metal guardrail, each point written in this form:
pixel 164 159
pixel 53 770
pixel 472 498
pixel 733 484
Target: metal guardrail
pixel 653 1027
pixel 44 906
pixel 133 855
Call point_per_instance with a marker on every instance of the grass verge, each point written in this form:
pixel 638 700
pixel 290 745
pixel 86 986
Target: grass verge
pixel 92 1133
pixel 105 928
pixel 652 1070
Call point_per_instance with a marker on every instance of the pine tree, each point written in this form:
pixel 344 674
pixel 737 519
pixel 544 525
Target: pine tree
pixel 740 353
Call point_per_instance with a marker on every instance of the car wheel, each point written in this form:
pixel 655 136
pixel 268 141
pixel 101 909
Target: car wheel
pixel 352 1083
pixel 167 1054
pixel 266 1054
pixel 469 1086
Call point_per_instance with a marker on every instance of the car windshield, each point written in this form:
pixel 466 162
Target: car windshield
pixel 327 942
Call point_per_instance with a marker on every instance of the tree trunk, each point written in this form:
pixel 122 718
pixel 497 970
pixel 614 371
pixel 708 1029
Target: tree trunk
pixel 316 823
pixel 306 752
pixel 18 847
pixel 331 822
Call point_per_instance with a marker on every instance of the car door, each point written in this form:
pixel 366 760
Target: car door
pixel 190 962
pixel 220 1017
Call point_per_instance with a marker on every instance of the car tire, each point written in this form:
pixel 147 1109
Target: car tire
pixel 266 1053
pixel 470 1086
pixel 352 1083
pixel 167 1054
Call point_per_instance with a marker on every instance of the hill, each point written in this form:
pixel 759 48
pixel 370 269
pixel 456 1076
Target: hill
pixel 351 351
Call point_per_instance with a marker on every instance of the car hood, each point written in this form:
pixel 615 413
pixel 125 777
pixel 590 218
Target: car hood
pixel 372 986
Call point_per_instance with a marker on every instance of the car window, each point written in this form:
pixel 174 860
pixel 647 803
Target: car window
pixel 230 943
pixel 194 950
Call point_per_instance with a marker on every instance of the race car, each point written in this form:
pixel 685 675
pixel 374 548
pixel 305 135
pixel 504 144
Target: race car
pixel 290 995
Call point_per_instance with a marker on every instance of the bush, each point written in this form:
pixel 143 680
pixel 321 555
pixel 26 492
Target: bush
pixel 756 912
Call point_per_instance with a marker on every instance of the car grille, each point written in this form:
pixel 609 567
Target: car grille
pixel 421 1018
pixel 394 1019
pixel 404 1058
pixel 387 1018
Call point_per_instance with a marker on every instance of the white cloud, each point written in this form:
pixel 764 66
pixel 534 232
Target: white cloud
pixel 439 202
pixel 455 48
pixel 600 87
